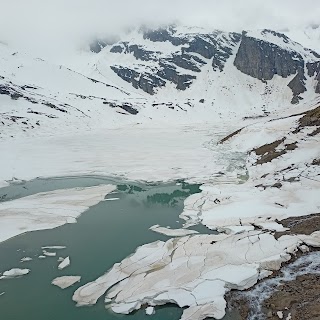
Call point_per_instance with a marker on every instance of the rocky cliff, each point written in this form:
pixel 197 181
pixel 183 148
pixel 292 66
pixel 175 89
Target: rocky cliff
pixel 179 57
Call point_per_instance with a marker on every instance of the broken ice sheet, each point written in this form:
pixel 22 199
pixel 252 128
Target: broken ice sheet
pixel 193 271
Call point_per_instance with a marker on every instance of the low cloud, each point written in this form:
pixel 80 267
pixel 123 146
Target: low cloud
pixel 67 23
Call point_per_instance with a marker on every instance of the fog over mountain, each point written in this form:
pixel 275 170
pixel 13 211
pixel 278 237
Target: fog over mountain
pixel 52 25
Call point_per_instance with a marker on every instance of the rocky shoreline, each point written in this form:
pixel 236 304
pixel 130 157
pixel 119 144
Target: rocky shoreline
pixel 295 299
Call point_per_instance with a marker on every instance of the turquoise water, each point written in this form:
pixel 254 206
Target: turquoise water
pixel 103 235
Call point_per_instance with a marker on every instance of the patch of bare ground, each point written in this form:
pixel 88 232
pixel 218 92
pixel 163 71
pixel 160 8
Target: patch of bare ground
pixel 269 151
pixel 316 162
pixel 298 299
pixel 310 119
pixel 228 137
pixel 314 132
pixel 300 225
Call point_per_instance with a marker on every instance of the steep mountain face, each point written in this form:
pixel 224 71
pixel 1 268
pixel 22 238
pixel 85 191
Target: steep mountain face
pixel 37 96
pixel 176 58
pixel 181 56
pixel 168 75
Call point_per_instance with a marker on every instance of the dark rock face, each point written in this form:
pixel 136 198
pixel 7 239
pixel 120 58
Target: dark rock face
pixel 147 82
pixel 211 46
pixel 97 46
pixel 314 70
pixel 187 62
pixel 138 51
pixel 217 46
pixel 162 35
pixel 284 38
pixel 318 85
pixel 297 85
pixel 168 72
pixel 263 60
pixel 260 59
pixel 125 106
pixel 117 49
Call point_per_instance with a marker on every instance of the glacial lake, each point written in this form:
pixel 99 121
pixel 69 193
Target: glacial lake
pixel 105 234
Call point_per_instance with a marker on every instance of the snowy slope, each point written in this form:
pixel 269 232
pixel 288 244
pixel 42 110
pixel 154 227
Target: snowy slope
pixel 158 77
pixel 44 97
pixel 309 36
pixel 179 58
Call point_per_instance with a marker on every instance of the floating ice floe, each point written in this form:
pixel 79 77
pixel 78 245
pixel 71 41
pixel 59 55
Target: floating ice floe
pixel 26 259
pixel 193 271
pixel 172 232
pixel 65 281
pixel 41 257
pixel 53 247
pixel 112 199
pixel 14 273
pixel 65 263
pixel 49 254
pixel 48 210
pixel 2 293
pixel 150 311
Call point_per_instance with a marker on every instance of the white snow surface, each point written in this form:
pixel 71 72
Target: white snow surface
pixel 183 152
pixel 47 210
pixel 256 202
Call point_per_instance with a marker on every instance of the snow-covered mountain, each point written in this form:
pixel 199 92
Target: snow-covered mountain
pixel 173 74
pixel 181 57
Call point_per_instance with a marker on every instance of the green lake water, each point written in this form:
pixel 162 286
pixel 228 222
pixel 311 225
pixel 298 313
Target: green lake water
pixel 105 234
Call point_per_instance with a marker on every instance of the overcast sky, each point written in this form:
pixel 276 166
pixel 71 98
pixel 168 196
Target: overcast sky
pixel 49 22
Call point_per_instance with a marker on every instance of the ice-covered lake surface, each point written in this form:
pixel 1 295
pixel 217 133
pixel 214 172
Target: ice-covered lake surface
pixel 105 234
